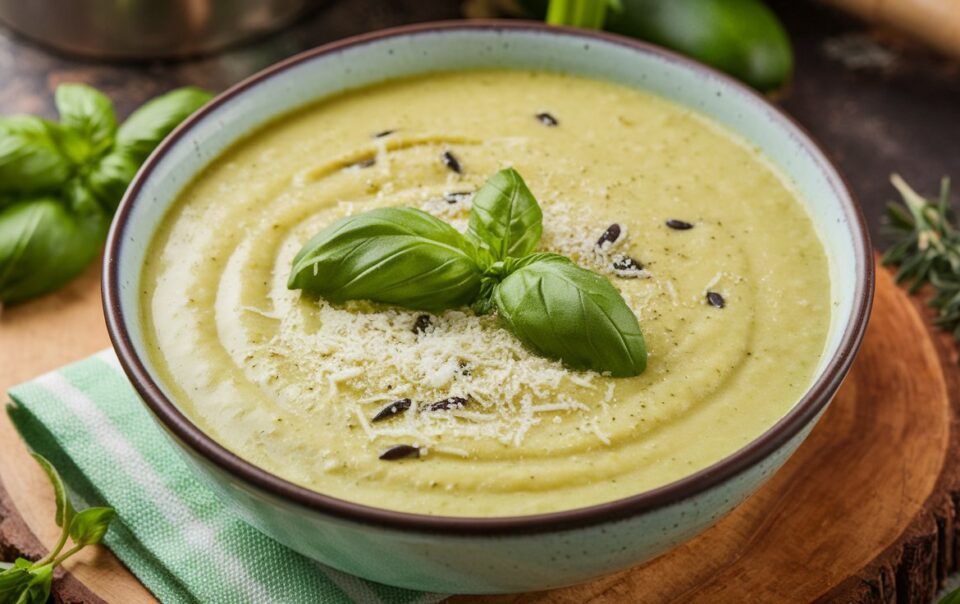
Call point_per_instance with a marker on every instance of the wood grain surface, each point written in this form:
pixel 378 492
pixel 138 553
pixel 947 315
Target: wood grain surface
pixel 864 512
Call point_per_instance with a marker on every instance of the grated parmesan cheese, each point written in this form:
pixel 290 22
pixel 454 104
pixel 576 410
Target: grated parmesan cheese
pixel 368 355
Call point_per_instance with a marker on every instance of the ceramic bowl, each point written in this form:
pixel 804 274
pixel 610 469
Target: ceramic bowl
pixel 486 555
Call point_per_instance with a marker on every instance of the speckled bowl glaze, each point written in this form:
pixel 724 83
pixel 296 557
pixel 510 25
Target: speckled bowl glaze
pixel 507 554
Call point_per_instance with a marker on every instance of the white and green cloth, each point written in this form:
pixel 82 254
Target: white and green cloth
pixel 170 531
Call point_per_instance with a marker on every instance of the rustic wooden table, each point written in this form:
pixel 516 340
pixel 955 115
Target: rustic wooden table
pixel 876 108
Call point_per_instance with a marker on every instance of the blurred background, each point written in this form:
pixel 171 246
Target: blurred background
pixel 877 99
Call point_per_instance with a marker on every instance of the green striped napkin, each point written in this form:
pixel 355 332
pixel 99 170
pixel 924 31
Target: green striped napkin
pixel 171 531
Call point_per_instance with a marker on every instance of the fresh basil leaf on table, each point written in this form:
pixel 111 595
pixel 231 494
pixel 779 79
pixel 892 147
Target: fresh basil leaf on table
pixel 90 525
pixel 14 579
pixel 65 511
pixel 88 113
pixel 37 589
pixel 505 218
pixel 61 182
pixel 567 312
pixel 399 256
pixel 30 160
pixel 43 245
pixel 26 582
pixel 109 177
pixel 148 125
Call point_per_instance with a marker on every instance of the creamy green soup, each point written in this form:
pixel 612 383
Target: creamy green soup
pixel 291 383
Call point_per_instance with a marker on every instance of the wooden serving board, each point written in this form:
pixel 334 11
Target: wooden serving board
pixel 864 512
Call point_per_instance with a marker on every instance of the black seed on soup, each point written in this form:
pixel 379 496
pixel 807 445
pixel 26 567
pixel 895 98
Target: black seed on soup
pixel 422 323
pixel 394 408
pixel 400 452
pixel 627 264
pixel 716 300
pixel 547 120
pixel 609 236
pixel 450 160
pixel 679 225
pixel 383 133
pixel 457 196
pixel 452 402
pixel 364 163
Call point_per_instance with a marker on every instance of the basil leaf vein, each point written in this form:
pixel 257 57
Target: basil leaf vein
pixel 505 217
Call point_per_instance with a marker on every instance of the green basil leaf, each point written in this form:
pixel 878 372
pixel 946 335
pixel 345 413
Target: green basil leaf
pixel 89 113
pixel 951 598
pixel 82 202
pixel 495 272
pixel 149 124
pixel 30 159
pixel 90 525
pixel 566 312
pixel 399 256
pixel 13 581
pixel 483 304
pixel 110 177
pixel 505 218
pixel 37 589
pixel 65 511
pixel 43 245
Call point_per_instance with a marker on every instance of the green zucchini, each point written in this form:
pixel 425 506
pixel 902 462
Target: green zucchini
pixel 741 37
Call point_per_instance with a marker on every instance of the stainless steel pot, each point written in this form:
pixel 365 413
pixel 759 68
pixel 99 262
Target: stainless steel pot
pixel 146 29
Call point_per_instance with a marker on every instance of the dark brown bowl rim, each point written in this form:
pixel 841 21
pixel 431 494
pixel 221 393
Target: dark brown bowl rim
pixel 182 429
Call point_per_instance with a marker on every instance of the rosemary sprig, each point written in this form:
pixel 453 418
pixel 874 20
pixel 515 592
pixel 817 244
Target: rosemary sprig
pixel 927 249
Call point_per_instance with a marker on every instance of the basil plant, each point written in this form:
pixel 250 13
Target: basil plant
pixel 61 182
pixel 408 258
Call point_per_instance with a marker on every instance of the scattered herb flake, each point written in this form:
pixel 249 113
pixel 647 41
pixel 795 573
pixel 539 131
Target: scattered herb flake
pixel 383 133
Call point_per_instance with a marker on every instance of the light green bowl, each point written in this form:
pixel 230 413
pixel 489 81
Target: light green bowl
pixel 485 555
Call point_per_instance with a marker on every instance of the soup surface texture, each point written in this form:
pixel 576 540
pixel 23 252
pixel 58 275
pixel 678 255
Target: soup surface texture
pixel 291 382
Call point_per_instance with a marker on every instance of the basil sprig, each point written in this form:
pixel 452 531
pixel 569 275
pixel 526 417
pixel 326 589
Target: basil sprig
pixel 26 582
pixel 406 257
pixel 61 182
